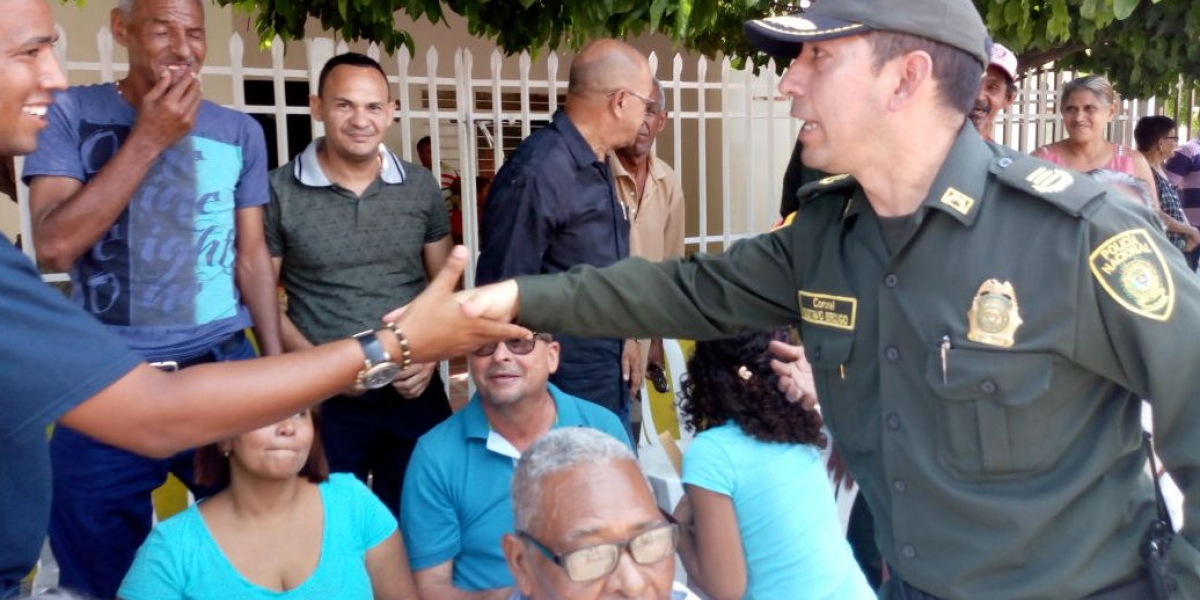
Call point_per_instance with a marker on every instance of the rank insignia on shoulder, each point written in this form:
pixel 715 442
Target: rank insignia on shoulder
pixel 1130 267
pixel 958 201
pixel 1049 180
pixel 994 316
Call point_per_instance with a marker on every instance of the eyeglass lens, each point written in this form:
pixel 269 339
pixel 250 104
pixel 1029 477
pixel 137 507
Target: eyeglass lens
pixel 593 562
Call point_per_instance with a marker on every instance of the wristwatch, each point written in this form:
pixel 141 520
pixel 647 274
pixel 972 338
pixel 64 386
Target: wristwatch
pixel 379 369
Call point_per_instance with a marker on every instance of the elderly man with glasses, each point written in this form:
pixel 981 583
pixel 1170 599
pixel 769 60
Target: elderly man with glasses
pixel 456 504
pixel 587 525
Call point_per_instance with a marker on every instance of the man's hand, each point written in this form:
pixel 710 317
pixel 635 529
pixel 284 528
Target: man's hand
pixel 168 111
pixel 440 324
pixel 413 381
pixel 631 361
pixel 795 374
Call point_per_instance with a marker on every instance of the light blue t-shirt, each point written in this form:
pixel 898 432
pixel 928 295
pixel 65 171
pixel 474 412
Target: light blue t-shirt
pixel 457 499
pixel 162 276
pixel 181 560
pixel 791 536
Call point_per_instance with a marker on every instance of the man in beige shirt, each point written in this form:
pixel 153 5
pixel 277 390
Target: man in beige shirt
pixel 650 192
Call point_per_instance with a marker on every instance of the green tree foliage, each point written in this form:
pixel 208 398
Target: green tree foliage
pixel 1143 45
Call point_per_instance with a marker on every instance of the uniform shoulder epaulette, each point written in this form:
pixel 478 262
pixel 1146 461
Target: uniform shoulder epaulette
pixel 823 187
pixel 1070 191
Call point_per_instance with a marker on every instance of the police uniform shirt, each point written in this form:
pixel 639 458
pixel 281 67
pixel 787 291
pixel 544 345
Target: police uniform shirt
pixel 982 380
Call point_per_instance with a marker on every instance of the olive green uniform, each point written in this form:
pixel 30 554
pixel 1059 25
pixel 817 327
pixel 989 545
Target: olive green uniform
pixel 983 381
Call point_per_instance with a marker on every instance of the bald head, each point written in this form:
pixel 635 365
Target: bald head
pixel 606 65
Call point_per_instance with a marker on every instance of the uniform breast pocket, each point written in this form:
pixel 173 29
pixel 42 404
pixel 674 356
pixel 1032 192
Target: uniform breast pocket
pixel 996 419
pixel 841 406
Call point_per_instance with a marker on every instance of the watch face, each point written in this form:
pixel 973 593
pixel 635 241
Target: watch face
pixel 379 375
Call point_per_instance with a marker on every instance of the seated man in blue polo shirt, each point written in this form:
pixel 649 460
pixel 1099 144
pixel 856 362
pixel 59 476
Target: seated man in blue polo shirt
pixel 456 505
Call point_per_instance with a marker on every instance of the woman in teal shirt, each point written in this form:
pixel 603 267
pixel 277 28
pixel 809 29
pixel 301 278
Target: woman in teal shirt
pixel 763 523
pixel 282 528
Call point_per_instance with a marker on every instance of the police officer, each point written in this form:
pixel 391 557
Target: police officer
pixel 981 324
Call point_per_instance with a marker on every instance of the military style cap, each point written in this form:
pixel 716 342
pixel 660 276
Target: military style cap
pixel 952 22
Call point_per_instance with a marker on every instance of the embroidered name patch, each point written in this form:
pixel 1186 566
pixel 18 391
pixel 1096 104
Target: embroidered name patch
pixel 827 310
pixel 1131 269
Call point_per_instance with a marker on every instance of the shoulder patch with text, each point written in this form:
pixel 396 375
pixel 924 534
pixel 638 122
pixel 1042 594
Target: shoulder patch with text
pixel 1131 269
pixel 828 310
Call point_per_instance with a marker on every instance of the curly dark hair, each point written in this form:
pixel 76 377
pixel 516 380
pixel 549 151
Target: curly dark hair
pixel 714 392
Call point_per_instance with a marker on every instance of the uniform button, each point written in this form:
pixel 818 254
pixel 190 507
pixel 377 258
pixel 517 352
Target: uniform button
pixel 891 280
pixel 908 551
pixel 988 386
pixel 892 354
pixel 893 421
pixel 816 353
pixel 1004 163
pixel 900 486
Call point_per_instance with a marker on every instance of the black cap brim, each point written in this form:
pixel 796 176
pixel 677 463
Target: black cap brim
pixel 782 37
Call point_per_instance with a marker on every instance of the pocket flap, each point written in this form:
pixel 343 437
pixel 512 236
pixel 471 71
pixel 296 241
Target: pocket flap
pixel 1011 378
pixel 828 350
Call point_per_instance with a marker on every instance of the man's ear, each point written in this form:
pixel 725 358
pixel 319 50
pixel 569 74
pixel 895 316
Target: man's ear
pixel 915 72
pixel 314 107
pixel 552 355
pixel 116 22
pixel 516 556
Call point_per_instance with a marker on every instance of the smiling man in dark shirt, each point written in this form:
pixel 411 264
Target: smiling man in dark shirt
pixel 552 205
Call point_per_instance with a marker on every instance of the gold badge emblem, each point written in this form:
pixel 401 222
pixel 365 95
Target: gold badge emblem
pixel 994 316
pixel 832 179
pixel 1131 269
pixel 1047 180
pixel 958 201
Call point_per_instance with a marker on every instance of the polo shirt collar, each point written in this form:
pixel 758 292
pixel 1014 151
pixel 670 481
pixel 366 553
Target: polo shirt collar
pixel 658 169
pixel 308 170
pixel 476 426
pixel 581 151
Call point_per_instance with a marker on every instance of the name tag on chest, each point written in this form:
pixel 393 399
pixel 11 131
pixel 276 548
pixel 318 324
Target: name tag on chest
pixel 827 310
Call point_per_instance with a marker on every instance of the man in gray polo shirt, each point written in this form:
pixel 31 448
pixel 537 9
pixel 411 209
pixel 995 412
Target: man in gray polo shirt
pixel 353 230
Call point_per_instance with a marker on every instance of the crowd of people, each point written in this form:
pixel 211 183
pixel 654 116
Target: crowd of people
pixel 980 328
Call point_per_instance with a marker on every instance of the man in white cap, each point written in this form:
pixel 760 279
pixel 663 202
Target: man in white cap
pixel 997 90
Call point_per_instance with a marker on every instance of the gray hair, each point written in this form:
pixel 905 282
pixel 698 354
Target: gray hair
pixel 557 451
pixel 662 95
pixel 1096 84
pixel 125 6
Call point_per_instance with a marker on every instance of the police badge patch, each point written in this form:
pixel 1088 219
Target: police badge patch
pixel 1131 269
pixel 994 316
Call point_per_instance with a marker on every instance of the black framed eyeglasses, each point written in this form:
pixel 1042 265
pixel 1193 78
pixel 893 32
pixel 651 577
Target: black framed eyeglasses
pixel 518 346
pixel 593 562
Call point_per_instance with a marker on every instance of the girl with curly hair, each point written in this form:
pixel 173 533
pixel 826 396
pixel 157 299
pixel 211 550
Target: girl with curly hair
pixel 758 519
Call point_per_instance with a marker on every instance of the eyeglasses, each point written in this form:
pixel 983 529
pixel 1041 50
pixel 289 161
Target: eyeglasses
pixel 651 107
pixel 594 562
pixel 518 346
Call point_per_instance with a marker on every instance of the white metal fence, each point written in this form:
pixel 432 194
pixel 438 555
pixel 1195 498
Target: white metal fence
pixel 729 136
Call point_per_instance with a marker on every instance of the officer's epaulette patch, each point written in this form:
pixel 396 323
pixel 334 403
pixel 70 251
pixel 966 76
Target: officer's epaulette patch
pixel 1070 191
pixel 822 187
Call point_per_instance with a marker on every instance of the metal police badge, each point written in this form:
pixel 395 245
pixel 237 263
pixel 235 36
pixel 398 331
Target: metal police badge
pixel 994 316
pixel 1131 269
